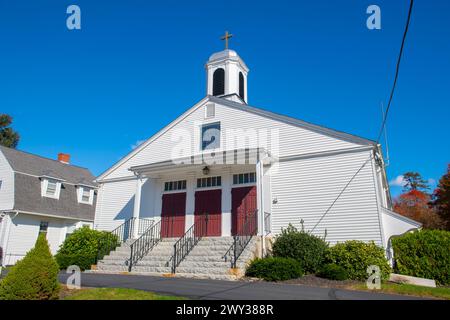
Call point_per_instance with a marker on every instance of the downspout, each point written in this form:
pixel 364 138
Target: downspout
pixel 7 233
pixel 262 214
pixel 259 169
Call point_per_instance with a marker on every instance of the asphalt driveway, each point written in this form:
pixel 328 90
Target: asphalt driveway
pixel 226 290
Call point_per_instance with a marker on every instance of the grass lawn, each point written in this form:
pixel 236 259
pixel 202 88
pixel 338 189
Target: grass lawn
pixel 113 294
pixel 409 289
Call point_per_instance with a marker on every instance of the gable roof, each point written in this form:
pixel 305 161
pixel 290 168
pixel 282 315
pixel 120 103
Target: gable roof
pixel 27 163
pixel 293 121
pixel 244 107
pixel 29 168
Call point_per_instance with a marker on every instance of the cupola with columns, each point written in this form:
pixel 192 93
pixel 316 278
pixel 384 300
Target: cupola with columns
pixel 227 74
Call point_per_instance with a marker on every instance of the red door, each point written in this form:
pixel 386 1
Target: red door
pixel 243 206
pixel 208 213
pixel 173 213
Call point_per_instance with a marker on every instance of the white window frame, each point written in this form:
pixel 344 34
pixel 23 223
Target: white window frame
pixel 44 187
pixel 43 223
pixel 183 190
pixel 210 105
pixel 201 188
pixel 80 190
pixel 209 123
pixel 243 184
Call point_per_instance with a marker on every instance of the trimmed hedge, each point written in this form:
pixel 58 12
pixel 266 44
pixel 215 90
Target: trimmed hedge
pixel 307 249
pixel 424 254
pixel 355 256
pixel 274 269
pixel 333 272
pixel 35 277
pixel 82 247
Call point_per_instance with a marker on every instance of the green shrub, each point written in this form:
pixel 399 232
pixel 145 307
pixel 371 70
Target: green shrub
pixel 355 256
pixel 274 269
pixel 333 272
pixel 81 260
pixel 35 277
pixel 82 247
pixel 424 254
pixel 307 249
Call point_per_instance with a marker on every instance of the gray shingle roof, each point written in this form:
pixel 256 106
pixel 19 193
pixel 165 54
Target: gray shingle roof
pixel 28 163
pixel 27 196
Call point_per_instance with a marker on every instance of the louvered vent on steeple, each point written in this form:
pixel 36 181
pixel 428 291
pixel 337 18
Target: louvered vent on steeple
pixel 219 82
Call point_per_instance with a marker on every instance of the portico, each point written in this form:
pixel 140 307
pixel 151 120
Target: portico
pixel 186 190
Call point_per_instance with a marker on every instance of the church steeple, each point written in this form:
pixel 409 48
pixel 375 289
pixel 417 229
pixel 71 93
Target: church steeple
pixel 227 74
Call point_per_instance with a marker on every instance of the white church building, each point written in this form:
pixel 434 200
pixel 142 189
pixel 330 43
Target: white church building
pixel 248 173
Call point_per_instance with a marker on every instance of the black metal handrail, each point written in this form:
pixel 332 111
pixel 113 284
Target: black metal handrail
pixel 242 238
pixel 144 224
pixel 119 235
pixel 189 240
pixel 115 238
pixel 145 243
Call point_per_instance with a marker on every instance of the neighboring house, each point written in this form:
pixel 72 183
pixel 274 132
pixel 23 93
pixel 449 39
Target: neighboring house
pixel 227 160
pixel 41 195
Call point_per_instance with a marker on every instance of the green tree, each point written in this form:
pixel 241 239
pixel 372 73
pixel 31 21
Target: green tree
pixel 414 181
pixel 8 137
pixel 35 277
pixel 442 198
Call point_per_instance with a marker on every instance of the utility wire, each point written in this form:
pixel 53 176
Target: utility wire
pixel 385 138
pixel 396 69
pixel 411 3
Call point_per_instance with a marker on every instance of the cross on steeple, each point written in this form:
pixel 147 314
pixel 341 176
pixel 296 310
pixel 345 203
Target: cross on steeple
pixel 226 37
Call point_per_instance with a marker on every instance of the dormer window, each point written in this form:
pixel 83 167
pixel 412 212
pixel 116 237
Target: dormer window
pixel 51 188
pixel 85 195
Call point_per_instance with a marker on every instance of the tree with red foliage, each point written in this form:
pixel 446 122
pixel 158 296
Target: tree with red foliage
pixel 415 204
pixel 441 198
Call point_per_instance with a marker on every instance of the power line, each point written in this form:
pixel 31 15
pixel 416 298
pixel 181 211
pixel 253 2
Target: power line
pixel 384 116
pixel 397 68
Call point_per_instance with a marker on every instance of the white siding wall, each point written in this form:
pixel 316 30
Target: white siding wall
pixel 23 233
pixel 55 234
pixel 6 185
pixel 293 140
pixel 115 204
pixel 305 188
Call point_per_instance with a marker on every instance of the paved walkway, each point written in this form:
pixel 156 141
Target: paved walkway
pixel 226 290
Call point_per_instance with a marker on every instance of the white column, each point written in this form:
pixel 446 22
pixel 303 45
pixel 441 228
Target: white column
pixel 227 180
pixel 137 207
pixel 190 200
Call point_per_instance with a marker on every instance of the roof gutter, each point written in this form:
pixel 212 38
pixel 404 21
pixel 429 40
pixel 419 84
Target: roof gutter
pixel 52 216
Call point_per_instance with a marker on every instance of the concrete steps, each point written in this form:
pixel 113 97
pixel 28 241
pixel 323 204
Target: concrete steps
pixel 206 260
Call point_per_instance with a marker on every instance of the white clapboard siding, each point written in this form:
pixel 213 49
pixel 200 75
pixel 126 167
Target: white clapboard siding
pixel 6 184
pixel 115 204
pixel 293 139
pixel 55 234
pixel 24 231
pixel 23 234
pixel 305 188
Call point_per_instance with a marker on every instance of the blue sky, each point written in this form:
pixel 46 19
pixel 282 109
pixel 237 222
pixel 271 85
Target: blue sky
pixel 136 65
